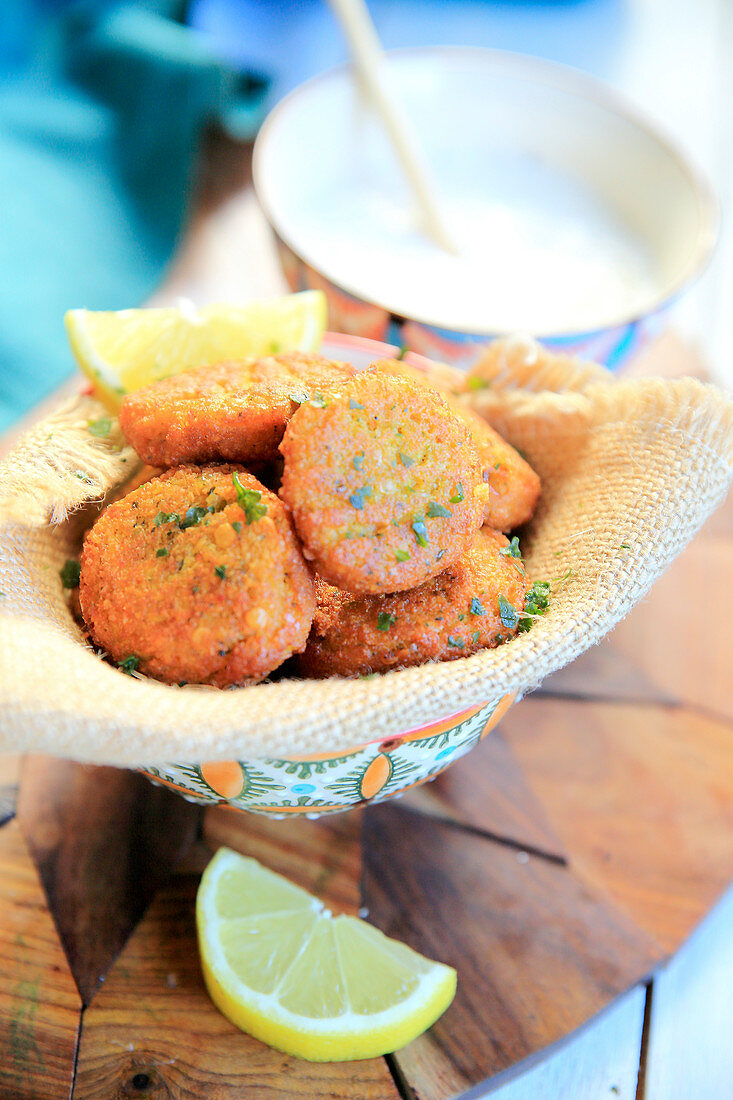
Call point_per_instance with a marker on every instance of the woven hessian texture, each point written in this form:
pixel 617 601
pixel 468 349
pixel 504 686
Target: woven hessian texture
pixel 630 471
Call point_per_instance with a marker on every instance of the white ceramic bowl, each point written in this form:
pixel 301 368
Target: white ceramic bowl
pixel 617 220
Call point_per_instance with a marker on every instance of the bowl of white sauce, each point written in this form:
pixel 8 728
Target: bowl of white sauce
pixel 573 219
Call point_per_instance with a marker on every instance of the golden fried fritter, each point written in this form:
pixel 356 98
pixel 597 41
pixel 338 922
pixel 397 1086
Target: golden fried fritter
pixel 196 576
pixel 450 616
pixel 232 411
pixel 514 486
pixel 384 483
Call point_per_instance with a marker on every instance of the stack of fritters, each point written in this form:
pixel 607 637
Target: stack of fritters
pixel 382 549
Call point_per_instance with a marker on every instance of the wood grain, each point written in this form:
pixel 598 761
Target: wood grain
pixel 537 954
pixel 103 841
pixel 486 791
pixel 152 1030
pixel 323 856
pixel 40 1007
pixel 602 1061
pixel 642 797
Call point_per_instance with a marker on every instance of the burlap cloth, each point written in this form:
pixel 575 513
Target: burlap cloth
pixel 630 470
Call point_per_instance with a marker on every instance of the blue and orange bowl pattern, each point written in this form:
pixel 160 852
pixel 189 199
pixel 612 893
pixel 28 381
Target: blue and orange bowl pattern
pixel 611 347
pixel 323 783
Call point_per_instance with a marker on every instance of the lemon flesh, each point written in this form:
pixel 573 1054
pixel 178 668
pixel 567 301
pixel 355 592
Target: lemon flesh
pixel 280 967
pixel 120 352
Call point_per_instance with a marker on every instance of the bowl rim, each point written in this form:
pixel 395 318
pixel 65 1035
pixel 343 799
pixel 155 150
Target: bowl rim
pixel 552 74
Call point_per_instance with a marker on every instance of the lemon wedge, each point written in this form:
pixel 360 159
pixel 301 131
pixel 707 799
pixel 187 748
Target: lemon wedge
pixel 325 988
pixel 120 352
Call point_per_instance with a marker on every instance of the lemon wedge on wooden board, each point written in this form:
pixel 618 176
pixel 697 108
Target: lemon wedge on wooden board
pixel 325 988
pixel 122 351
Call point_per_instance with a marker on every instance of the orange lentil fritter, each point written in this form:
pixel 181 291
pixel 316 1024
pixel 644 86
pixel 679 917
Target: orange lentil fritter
pixel 513 484
pixel 384 484
pixel 230 411
pixel 450 616
pixel 197 577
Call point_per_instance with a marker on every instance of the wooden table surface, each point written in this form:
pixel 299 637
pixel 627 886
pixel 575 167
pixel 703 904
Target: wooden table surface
pixel 559 866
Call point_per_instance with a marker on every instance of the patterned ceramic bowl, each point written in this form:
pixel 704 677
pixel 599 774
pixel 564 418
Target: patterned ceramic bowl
pixel 350 774
pixel 610 218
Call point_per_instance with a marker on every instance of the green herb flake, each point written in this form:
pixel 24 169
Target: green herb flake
pixel 508 613
pixel 512 550
pixel 456 643
pixel 359 461
pixel 299 397
pixel 402 555
pixel 250 501
pixel 318 401
pixel 459 494
pixel 100 428
pixel 129 665
pixel 624 546
pixel 162 553
pixel 475 637
pixel 421 532
pixel 402 352
pixel 385 620
pixel 70 573
pixel 221 571
pixel 356 500
pixel 476 383
pixel 476 607
pixel 166 517
pixel 193 515
pixel 437 510
pixel 354 404
pixel 405 459
pixel 536 602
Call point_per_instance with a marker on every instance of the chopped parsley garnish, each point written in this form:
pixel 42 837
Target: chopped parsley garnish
pixel 299 398
pixel 435 510
pixel 402 555
pixel 477 608
pixel 512 550
pixel 318 401
pixel 459 494
pixel 357 498
pixel 402 352
pixel 475 637
pixel 508 613
pixel 421 532
pixel 536 602
pixel 101 428
pixel 70 573
pixel 354 404
pixel 237 526
pixel 624 546
pixel 457 643
pixel 162 553
pixel 166 517
pixel 249 500
pixel 129 665
pixel 405 459
pixel 359 461
pixel 385 620
pixel 475 383
pixel 193 515
pixel 221 571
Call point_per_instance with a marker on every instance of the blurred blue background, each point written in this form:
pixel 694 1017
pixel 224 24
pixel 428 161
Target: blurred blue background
pixel 103 107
